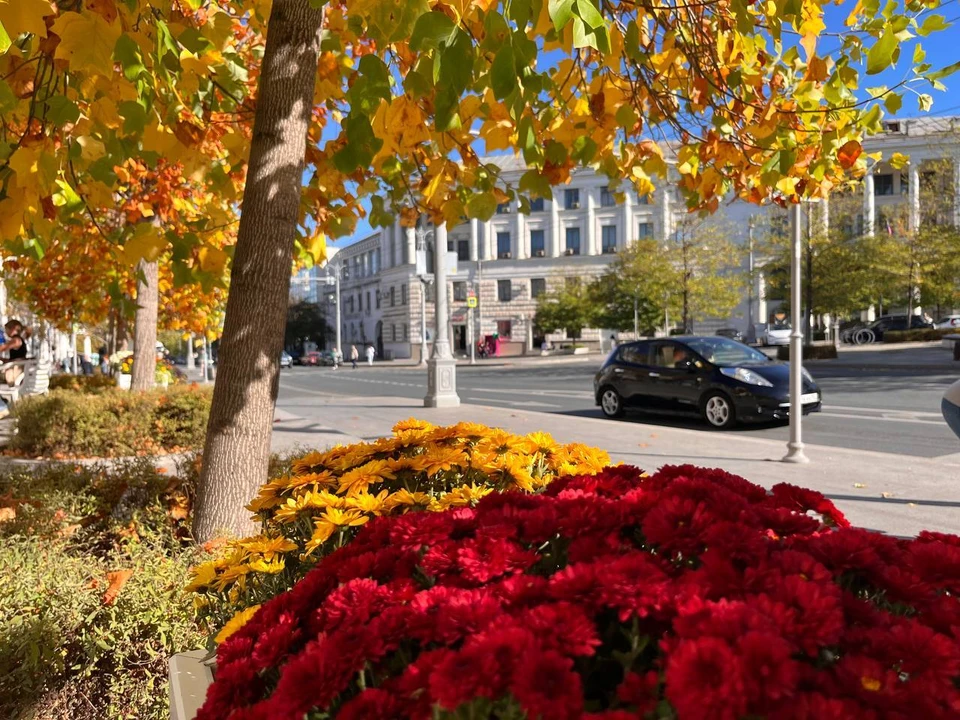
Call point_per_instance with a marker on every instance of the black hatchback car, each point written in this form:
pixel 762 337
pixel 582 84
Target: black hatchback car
pixel 720 379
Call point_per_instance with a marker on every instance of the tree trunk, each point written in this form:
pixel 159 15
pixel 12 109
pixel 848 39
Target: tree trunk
pixel 237 450
pixel 145 328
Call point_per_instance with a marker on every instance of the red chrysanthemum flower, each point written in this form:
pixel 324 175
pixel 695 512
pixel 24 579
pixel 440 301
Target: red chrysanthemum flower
pixel 704 680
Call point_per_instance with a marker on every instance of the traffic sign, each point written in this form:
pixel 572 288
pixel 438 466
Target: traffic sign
pixel 471 302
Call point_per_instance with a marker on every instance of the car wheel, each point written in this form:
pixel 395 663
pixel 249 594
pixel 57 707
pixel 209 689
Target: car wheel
pixel 718 411
pixel 611 403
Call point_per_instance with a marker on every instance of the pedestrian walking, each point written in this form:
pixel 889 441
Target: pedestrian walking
pixel 370 354
pixel 354 355
pixel 336 358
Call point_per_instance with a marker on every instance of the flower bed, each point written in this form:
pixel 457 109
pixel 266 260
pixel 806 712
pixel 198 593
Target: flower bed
pixel 690 594
pixel 111 423
pixel 327 497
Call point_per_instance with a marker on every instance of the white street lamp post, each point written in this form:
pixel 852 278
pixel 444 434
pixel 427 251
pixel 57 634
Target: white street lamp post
pixel 795 446
pixel 442 368
pixel 423 323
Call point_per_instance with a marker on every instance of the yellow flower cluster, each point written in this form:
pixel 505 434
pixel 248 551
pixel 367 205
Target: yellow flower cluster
pixel 322 502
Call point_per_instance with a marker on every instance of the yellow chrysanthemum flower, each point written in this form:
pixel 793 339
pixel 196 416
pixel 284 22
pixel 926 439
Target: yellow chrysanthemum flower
pixel 322 531
pixel 412 424
pixel 463 496
pixel 203 576
pixel 440 459
pixel 267 547
pixel 403 498
pixel 309 500
pixel 358 479
pixel 539 442
pixel 235 623
pixel 344 518
pixel 365 502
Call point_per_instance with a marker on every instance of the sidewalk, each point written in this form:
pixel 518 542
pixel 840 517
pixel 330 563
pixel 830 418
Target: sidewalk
pixel 896 494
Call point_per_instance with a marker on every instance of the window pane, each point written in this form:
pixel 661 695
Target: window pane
pixel 643 199
pixel 571 199
pixel 883 185
pixel 537 243
pixel 606 198
pixel 503 208
pixel 504 291
pixel 644 231
pixel 538 286
pixel 609 237
pixel 634 354
pixel 504 328
pixel 503 244
pixel 573 241
pixel 536 205
pixel 463 250
pixel 460 291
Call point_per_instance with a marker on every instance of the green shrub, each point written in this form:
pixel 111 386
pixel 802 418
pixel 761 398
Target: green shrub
pixel 66 650
pixel 827 351
pixel 111 423
pixel 82 383
pixel 919 335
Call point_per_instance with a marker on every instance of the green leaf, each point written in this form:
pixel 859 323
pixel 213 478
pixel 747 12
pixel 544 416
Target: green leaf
pixel 457 63
pixel 533 183
pixel 194 41
pixel 880 55
pixel 445 109
pixel 372 85
pixel 933 23
pixel 361 145
pixel 433 29
pixel 919 55
pixel 503 73
pixel 67 197
pixel 943 72
pixel 521 12
pixel 556 152
pixel 893 102
pixel 588 12
pixel 8 101
pixel 626 116
pixel 924 102
pixel 127 53
pixel 134 117
pixel 871 120
pixel 482 206
pixel 4 39
pixel 62 111
pixel 561 11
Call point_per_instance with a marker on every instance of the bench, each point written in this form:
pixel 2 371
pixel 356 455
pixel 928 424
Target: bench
pixel 35 380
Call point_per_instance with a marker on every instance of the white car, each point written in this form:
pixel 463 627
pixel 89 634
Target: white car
pixel 948 322
pixel 776 335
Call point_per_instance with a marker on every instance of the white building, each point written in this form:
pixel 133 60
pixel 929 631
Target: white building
pixel 509 260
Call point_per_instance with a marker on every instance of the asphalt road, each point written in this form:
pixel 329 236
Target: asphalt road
pixel 892 409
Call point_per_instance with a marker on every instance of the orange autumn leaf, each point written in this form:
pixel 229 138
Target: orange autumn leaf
pixel 116 579
pixel 848 154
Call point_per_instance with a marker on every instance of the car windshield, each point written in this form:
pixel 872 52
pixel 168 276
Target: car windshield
pixel 726 353
pixel 780 325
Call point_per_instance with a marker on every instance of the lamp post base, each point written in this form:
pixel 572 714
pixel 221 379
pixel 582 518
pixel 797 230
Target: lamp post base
pixel 441 384
pixel 795 454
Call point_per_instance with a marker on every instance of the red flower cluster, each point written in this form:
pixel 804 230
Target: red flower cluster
pixel 690 593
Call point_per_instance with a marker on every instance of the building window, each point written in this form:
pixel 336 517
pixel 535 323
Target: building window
pixel 608 234
pixel 504 291
pixel 536 205
pixel 538 286
pixel 376 261
pixel 403 294
pixel 378 299
pixel 643 199
pixel 537 243
pixel 359 302
pixel 606 198
pixel 573 241
pixel 645 231
pixel 571 199
pixel 393 296
pixel 504 328
pixel 503 245
pixel 393 332
pixel 350 304
pixel 459 291
pixel 463 250
pixel 883 184
pixel 503 208
pixel 406 331
pixel 368 301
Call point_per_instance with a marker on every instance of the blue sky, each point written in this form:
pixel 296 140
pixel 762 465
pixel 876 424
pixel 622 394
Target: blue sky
pixel 942 49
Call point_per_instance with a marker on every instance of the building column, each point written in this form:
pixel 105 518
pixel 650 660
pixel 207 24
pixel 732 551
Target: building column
pixel 555 241
pixel 592 248
pixel 411 246
pixel 869 206
pixel 666 213
pixel 486 244
pixel 627 234
pixel 519 228
pixel 474 238
pixel 824 216
pixel 914 195
pixel 761 298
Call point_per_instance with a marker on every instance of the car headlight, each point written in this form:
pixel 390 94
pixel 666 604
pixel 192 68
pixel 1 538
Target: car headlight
pixel 807 376
pixel 746 375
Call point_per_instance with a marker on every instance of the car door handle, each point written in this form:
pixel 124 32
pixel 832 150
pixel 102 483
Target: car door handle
pixel 654 374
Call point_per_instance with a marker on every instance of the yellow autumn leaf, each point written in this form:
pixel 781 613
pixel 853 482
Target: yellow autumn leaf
pixel 91 149
pixel 24 16
pixel 146 244
pixel 11 213
pixel 158 139
pixel 212 260
pixel 316 246
pixel 87 42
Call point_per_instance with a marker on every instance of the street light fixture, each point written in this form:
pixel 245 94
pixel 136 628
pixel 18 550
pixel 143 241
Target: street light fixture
pixel 795 446
pixel 422 242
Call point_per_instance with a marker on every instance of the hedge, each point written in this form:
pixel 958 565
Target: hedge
pixel 111 423
pixel 826 351
pixel 919 335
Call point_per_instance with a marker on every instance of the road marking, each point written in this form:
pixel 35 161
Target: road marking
pixel 848 408
pixel 851 416
pixel 536 393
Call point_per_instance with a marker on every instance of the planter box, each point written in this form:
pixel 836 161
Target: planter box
pixel 189 679
pixel 826 351
pixel 124 380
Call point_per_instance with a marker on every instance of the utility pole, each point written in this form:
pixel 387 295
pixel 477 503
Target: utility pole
pixel 750 328
pixel 795 446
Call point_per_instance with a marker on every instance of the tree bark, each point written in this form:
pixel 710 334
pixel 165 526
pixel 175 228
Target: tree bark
pixel 145 328
pixel 237 450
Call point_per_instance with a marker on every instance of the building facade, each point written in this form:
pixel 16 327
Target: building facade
pixel 507 262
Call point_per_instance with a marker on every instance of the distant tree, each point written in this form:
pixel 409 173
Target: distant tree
pixel 709 275
pixel 305 323
pixel 642 276
pixel 568 307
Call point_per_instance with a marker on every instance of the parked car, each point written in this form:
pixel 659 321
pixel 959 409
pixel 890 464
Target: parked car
pixel 887 323
pixel 722 380
pixel 286 360
pixel 731 333
pixel 948 322
pixel 777 333
pixel 311 358
pixel 327 357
